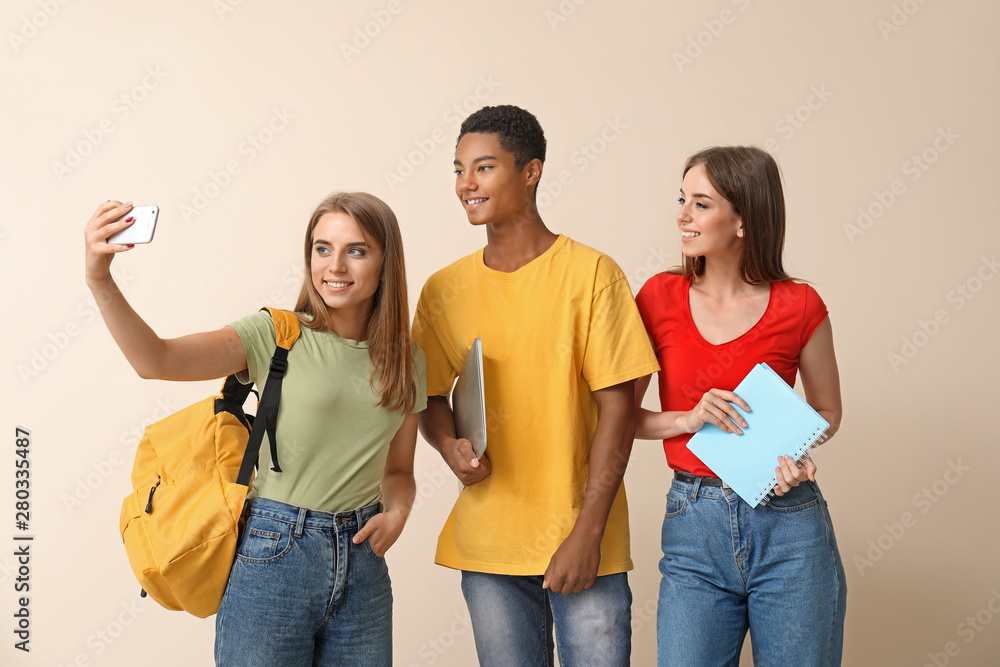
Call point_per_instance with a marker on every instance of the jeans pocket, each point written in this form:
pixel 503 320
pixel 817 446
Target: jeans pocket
pixel 368 547
pixel 677 503
pixel 264 540
pixel 800 498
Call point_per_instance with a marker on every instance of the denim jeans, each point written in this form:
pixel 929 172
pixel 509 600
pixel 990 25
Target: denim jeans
pixel 513 617
pixel 728 568
pixel 301 593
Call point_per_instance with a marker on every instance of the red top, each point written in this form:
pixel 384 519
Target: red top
pixel 690 365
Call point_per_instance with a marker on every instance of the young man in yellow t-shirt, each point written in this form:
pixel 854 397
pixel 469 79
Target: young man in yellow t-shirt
pixel 540 530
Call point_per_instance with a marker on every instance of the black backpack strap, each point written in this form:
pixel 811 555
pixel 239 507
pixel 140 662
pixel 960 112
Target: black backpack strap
pixel 234 394
pixel 286 327
pixel 270 400
pixel 250 455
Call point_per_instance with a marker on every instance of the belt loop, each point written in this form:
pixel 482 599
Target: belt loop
pixel 362 511
pixel 695 488
pixel 300 523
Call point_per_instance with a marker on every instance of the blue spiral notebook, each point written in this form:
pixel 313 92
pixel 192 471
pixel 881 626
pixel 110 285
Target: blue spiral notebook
pixel 780 423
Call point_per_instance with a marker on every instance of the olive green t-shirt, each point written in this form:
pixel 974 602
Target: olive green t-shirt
pixel 333 437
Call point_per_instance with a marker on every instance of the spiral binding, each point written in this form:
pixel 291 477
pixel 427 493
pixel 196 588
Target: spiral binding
pixel 817 438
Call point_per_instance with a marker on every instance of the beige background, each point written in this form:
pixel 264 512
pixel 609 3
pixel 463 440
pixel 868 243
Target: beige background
pixel 156 102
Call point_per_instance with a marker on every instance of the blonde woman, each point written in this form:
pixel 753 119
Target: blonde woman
pixel 309 585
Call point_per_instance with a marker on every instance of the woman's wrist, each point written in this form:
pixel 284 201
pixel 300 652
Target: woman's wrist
pixel 683 422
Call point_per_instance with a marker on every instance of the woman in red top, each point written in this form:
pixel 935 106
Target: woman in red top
pixel 727 567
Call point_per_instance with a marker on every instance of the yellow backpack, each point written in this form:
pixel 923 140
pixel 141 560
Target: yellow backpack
pixel 191 476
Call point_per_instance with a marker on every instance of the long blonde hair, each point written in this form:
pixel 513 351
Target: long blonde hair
pixel 388 327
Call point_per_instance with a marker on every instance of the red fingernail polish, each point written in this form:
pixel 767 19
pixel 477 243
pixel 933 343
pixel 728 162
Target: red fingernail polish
pixel 131 245
pixel 130 218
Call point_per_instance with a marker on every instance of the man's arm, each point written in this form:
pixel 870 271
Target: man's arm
pixel 437 425
pixel 574 565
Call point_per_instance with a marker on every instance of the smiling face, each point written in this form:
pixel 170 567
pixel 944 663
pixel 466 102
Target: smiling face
pixel 706 219
pixel 345 265
pixel 487 182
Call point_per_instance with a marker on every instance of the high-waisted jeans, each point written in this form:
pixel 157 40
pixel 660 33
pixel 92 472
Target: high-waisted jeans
pixel 302 593
pixel 728 568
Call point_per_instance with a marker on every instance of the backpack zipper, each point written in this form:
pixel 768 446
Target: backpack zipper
pixel 149 503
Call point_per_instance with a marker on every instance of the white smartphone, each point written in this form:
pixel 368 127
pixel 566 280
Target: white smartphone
pixel 141 231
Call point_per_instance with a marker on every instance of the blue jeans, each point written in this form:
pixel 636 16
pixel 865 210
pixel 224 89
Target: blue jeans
pixel 513 617
pixel 301 593
pixel 728 568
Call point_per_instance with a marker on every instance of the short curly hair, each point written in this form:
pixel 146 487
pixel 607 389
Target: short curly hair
pixel 517 130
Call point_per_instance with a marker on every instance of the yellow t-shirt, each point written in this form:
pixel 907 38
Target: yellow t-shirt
pixel 555 330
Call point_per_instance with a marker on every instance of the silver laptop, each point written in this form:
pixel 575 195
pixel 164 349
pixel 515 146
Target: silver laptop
pixel 469 400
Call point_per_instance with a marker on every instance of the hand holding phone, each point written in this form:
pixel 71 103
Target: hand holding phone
pixel 141 229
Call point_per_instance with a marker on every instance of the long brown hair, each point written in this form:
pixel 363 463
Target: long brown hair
pixel 388 327
pixel 748 178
